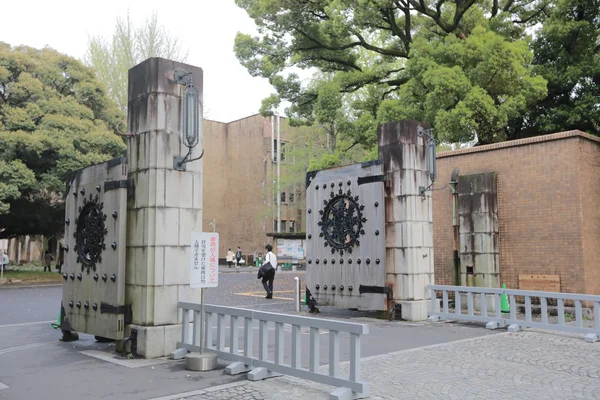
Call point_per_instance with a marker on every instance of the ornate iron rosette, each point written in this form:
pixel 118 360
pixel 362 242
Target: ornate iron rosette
pixel 90 233
pixel 342 222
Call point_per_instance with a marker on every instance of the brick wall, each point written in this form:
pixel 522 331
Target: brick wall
pixel 589 172
pixel 548 223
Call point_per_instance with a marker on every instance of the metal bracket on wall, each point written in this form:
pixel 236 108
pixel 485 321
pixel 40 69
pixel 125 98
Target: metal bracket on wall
pixel 124 309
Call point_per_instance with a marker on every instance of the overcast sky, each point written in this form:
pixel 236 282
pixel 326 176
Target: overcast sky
pixel 207 28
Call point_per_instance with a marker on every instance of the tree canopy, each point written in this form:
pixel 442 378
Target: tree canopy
pixel 467 67
pixel 567 54
pixel 55 118
pixel 129 46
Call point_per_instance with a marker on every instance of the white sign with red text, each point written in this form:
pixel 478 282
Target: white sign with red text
pixel 204 271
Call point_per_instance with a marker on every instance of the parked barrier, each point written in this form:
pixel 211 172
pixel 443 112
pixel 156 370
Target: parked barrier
pixel 259 366
pixel 494 318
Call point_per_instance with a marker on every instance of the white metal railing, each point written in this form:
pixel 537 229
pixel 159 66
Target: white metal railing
pixel 259 365
pixel 494 318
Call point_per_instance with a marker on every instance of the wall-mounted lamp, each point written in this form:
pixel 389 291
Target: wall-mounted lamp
pixel 191 123
pixel 431 158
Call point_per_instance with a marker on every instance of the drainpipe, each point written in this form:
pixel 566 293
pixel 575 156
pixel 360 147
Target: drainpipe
pixel 278 173
pixel 455 225
pixel 273 157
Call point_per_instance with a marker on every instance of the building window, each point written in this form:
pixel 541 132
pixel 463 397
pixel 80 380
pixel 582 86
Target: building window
pixel 292 197
pixel 274 225
pixel 292 226
pixel 283 223
pixel 283 197
pixel 281 152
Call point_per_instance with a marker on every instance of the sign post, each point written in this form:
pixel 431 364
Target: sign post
pixel 204 270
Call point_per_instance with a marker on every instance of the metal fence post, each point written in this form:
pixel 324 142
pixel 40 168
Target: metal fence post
pixel 185 327
pixel 297 294
pixel 314 350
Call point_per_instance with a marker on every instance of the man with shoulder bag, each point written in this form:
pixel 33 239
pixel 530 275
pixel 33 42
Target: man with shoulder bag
pixel 267 271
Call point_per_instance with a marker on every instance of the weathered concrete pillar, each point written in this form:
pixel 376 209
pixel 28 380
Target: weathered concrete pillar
pixel 167 205
pixel 409 217
pixel 478 221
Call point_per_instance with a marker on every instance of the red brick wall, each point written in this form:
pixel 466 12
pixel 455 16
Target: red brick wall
pixel 589 172
pixel 548 221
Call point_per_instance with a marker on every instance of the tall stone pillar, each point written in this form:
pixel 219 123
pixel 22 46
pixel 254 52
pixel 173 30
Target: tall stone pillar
pixel 167 205
pixel 409 216
pixel 478 221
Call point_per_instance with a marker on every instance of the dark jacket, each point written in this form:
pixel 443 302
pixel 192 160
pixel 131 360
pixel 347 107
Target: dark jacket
pixel 264 269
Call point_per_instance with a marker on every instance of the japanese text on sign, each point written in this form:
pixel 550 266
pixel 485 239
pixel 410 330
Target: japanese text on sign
pixel 205 260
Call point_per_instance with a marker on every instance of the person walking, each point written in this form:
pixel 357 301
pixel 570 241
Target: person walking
pixel 61 258
pixel 229 258
pixel 267 271
pixel 4 262
pixel 238 257
pixel 48 260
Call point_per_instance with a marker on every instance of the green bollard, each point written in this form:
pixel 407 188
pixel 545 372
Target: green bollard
pixel 504 307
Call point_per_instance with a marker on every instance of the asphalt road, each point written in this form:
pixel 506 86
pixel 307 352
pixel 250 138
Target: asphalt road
pixel 34 364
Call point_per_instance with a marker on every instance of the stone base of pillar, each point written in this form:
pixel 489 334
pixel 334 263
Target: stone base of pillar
pixel 415 310
pixel 155 341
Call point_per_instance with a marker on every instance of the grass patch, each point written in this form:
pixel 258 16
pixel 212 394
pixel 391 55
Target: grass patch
pixel 33 276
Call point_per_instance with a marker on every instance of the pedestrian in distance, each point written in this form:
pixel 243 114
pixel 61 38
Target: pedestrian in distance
pixel 229 258
pixel 238 257
pixel 4 260
pixel 61 258
pixel 267 271
pixel 48 258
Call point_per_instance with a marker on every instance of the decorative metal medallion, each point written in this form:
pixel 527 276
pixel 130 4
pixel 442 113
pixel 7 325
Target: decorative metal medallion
pixel 342 222
pixel 90 233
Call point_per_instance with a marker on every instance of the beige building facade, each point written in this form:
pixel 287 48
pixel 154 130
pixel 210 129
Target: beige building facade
pixel 240 180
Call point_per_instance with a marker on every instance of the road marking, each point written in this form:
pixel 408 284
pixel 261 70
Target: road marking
pixel 277 303
pixel 27 323
pixel 3 386
pixel 262 294
pixel 24 347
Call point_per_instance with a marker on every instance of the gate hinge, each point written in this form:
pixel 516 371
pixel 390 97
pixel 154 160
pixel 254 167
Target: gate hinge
pixel 370 179
pixel 377 289
pixel 125 310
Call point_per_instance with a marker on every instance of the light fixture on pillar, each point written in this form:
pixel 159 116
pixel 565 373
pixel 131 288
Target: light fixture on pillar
pixel 191 123
pixel 431 159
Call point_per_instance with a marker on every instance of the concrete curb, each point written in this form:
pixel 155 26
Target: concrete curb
pixel 203 391
pixel 28 285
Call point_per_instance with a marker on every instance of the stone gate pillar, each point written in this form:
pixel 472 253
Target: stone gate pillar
pixel 167 205
pixel 409 216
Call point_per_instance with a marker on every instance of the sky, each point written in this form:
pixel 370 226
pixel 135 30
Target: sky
pixel 207 28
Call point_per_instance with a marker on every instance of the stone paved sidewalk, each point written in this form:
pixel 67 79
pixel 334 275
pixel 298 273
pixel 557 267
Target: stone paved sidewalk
pixel 526 365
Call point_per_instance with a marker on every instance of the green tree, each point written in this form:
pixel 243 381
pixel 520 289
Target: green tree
pixel 567 54
pixel 467 87
pixel 129 45
pixel 363 47
pixel 55 118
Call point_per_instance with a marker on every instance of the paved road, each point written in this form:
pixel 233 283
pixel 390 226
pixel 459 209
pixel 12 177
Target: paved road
pixel 35 364
pixel 29 304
